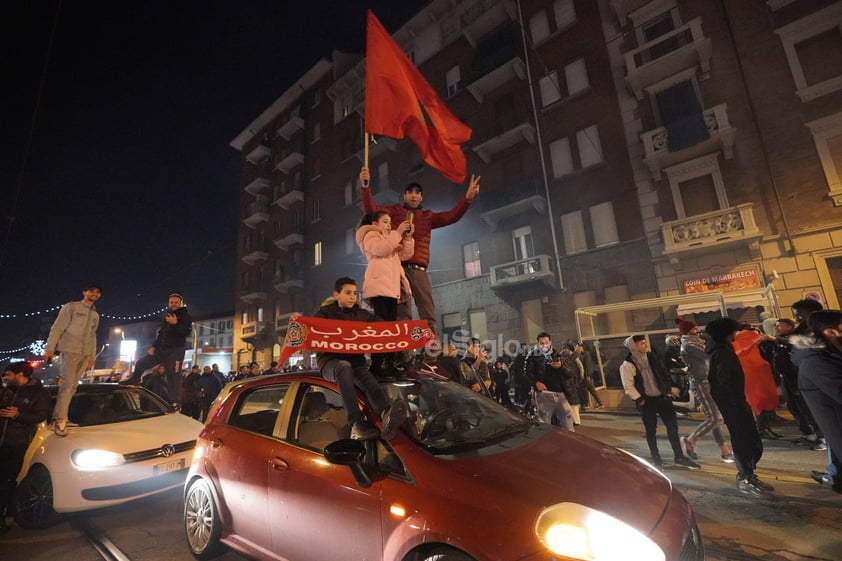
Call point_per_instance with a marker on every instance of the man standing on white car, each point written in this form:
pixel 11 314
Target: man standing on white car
pixel 73 335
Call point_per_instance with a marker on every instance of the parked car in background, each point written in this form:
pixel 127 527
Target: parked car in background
pixel 129 444
pixel 275 477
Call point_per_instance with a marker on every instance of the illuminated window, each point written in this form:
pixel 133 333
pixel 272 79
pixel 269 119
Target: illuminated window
pixel 470 253
pixel 317 254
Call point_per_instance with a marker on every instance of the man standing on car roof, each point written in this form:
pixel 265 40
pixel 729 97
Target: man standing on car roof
pixel 24 403
pixel 73 334
pixel 169 345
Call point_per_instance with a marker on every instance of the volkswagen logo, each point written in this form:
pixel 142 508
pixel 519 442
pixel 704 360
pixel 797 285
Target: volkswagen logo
pixel 167 450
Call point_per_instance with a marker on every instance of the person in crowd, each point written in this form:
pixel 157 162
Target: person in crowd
pixel 190 394
pixel 584 355
pixel 727 387
pixel 547 374
pixel 24 403
pixel 243 371
pixel 677 370
pixel 223 379
pixel 761 391
pixel 693 355
pixel 348 370
pixel 156 382
pixel 169 345
pixel 254 370
pixel 385 284
pixel 777 351
pixel 801 311
pixel 474 368
pixel 648 384
pixel 574 381
pixel 501 379
pixel 274 368
pixel 425 222
pixel 518 372
pixel 818 355
pixel 144 363
pixel 73 335
pixel 209 387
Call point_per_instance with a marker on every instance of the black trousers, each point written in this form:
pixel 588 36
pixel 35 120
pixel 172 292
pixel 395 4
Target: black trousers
pixel 661 406
pixel 745 440
pixel 11 459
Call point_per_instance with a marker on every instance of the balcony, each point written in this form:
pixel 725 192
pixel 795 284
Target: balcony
pixel 377 147
pixel 287 197
pixel 253 295
pixel 259 153
pixel 292 125
pixel 256 330
pixel 282 322
pixel 290 160
pixel 513 199
pixel 498 61
pixel 285 240
pixel 666 55
pixel 484 16
pixel 622 8
pixel 292 279
pixel 713 230
pixel 255 257
pixel 256 212
pixel 257 186
pixel 537 269
pixel 508 135
pixel 655 142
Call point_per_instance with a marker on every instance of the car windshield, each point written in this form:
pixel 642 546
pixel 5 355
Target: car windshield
pixel 100 405
pixel 445 417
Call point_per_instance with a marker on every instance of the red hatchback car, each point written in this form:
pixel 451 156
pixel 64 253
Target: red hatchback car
pixel 275 477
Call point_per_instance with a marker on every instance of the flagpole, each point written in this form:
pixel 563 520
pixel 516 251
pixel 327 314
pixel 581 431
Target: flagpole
pixel 365 158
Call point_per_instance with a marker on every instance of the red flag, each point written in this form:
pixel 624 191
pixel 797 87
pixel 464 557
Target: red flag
pixel 399 102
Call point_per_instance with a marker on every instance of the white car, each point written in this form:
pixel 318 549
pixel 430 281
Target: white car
pixel 129 444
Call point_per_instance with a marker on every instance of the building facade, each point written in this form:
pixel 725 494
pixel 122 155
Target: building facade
pixel 628 150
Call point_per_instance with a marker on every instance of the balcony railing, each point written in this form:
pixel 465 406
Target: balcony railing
pixel 533 269
pixel 255 257
pixel 377 146
pixel 716 229
pixel 255 329
pixel 282 322
pixel 253 295
pixel 510 132
pixel 286 198
pixel 667 55
pixel 655 142
pixel 484 16
pixel 292 125
pixel 289 160
pixel 286 239
pixel 259 152
pixel 256 212
pixel 498 60
pixel 291 279
pixel 513 199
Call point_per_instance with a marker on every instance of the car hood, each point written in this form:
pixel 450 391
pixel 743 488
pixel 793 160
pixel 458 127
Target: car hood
pixel 549 466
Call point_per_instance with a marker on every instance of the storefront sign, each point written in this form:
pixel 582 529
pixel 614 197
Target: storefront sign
pixel 733 281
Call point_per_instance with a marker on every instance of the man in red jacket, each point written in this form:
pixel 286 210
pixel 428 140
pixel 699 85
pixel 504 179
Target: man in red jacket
pixel 424 220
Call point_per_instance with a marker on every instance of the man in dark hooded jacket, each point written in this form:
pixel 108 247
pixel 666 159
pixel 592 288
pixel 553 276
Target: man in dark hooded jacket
pixel 818 356
pixel 24 403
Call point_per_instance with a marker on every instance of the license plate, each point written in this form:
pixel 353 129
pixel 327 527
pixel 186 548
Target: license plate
pixel 167 467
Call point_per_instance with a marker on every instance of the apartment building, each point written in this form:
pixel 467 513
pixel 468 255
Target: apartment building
pixel 627 150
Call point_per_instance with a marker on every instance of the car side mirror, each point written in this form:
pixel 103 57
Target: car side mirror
pixel 349 453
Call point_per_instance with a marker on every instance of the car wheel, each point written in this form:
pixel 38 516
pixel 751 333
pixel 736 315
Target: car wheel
pixel 201 521
pixel 447 554
pixel 34 500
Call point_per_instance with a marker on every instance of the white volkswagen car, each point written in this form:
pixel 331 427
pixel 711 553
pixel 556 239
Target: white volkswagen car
pixel 129 444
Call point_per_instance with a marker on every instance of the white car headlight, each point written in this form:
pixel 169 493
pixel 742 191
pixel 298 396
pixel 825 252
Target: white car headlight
pixel 92 458
pixel 579 532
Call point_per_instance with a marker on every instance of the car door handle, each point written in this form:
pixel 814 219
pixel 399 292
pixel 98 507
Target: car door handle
pixel 279 464
pixel 215 442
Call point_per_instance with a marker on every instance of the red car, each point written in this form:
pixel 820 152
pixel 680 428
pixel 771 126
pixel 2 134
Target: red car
pixel 275 477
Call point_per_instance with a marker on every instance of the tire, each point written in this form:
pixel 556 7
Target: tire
pixel 202 526
pixel 34 500
pixel 446 554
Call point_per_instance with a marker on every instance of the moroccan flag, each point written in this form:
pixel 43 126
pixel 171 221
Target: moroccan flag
pixel 399 102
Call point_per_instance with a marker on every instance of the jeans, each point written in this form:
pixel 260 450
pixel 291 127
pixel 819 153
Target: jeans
pixel 347 378
pixel 171 358
pixel 551 404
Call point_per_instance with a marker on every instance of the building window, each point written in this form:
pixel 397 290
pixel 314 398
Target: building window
pixel 317 97
pixel 561 157
pixel 450 324
pixel 454 81
pixel 317 168
pixel 478 325
pixel 539 27
pixel 350 241
pixel 808 44
pixel 697 186
pixel 550 89
pixel 827 135
pixel 590 150
pixel 573 230
pixel 317 254
pixel 244 318
pixel 604 225
pixel 470 256
pixel 317 132
pixel 565 14
pixel 576 76
pixel 317 209
pixel 522 242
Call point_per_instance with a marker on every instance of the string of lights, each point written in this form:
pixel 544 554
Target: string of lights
pixel 56 308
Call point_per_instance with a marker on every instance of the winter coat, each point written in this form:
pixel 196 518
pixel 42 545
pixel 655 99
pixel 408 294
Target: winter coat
pixel 74 330
pixel 727 381
pixel 34 406
pixel 760 389
pixel 694 356
pixel 820 383
pixel 384 275
pixel 354 313
pixel 174 336
pixel 424 220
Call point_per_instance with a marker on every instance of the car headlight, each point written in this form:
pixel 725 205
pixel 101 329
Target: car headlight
pixel 579 532
pixel 92 458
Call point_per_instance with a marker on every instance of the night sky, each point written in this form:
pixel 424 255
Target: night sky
pixel 121 174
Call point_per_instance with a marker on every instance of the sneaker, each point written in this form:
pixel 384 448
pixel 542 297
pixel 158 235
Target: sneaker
pixel 656 461
pixel 758 483
pixel 392 418
pixel 749 487
pixel 60 427
pixel 822 478
pixel 768 434
pixel 689 448
pixel 362 430
pixel 599 406
pixel 684 461
pixel 728 458
pixel 819 445
pixel 808 439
